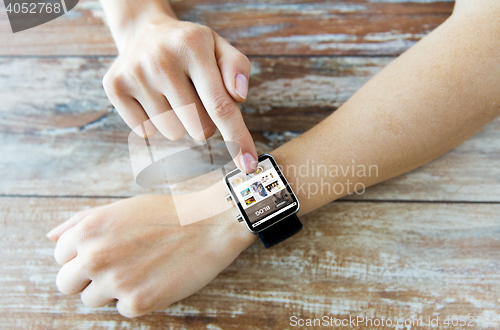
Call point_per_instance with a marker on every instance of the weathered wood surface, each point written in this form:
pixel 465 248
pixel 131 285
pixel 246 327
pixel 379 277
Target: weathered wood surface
pixel 396 260
pixel 59 135
pixel 351 27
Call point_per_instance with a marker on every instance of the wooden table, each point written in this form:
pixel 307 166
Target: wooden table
pixel 425 244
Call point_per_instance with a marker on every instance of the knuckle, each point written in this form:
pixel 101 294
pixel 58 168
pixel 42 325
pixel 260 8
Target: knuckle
pixel 192 38
pixel 89 302
pixel 129 314
pixel 141 302
pixel 61 284
pixel 88 228
pixel 136 304
pixel 93 260
pixel 222 106
pixel 85 300
pixel 124 309
pixel 114 84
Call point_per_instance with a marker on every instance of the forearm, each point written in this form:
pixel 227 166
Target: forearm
pixel 429 100
pixel 124 16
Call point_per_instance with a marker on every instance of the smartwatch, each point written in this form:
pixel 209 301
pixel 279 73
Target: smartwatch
pixel 265 200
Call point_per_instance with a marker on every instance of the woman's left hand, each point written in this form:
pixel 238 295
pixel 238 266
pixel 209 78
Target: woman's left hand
pixel 136 251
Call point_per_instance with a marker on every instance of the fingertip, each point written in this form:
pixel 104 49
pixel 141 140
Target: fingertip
pixel 145 130
pixel 177 137
pixel 173 133
pixel 248 162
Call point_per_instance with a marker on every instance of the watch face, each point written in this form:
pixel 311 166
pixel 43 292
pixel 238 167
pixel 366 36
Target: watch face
pixel 264 196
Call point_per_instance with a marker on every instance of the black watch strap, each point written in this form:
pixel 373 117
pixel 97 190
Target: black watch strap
pixel 280 231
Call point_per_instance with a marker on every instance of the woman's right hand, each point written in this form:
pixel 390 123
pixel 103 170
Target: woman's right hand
pixel 165 64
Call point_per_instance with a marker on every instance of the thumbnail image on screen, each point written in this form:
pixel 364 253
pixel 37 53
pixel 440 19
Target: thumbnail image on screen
pixel 261 193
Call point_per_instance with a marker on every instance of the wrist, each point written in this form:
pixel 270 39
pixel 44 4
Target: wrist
pixel 129 21
pixel 237 233
pixel 209 209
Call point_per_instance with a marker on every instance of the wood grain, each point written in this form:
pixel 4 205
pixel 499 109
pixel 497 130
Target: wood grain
pixel 399 251
pixel 352 27
pixel 396 260
pixel 60 136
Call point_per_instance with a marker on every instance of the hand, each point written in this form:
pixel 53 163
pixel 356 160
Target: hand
pixel 166 64
pixel 135 251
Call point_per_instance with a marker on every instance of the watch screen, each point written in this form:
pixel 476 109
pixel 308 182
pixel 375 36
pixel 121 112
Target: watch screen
pixel 263 197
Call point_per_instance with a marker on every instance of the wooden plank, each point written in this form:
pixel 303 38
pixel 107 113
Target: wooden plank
pixel 391 260
pixel 59 137
pixel 286 94
pixel 352 27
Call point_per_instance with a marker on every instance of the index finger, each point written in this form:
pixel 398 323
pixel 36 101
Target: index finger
pixel 224 111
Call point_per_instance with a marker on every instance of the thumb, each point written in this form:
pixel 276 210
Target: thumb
pixel 234 67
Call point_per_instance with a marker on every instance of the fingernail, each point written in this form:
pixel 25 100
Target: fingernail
pixel 248 162
pixel 242 85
